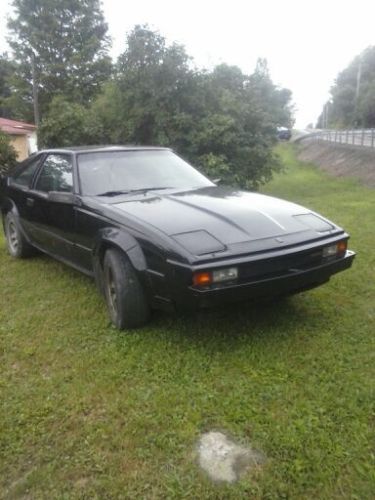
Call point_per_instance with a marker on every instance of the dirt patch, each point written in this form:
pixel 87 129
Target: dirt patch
pixel 340 159
pixel 224 460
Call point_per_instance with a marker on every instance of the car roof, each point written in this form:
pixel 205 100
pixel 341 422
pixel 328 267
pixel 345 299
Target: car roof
pixel 98 149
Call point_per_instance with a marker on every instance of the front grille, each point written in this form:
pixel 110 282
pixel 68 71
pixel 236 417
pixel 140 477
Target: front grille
pixel 279 266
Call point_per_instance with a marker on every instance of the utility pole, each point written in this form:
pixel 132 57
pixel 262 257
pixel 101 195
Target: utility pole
pixel 326 107
pixel 35 90
pixel 359 72
pixel 325 116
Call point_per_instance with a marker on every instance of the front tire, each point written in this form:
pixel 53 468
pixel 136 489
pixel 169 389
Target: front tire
pixel 17 244
pixel 126 300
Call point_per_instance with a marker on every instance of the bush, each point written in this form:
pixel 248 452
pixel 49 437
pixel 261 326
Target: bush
pixel 8 155
pixel 69 124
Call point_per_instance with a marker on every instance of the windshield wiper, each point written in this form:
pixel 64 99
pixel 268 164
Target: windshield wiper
pixel 112 193
pixel 131 191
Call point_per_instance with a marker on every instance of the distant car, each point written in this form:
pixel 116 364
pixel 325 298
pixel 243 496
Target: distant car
pixel 156 233
pixel 284 134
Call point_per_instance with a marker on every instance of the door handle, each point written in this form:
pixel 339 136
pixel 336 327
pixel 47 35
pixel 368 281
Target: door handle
pixel 30 202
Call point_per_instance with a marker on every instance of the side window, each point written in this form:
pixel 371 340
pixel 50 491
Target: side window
pixel 25 175
pixel 56 174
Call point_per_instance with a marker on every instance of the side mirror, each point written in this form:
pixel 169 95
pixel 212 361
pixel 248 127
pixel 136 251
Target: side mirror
pixel 61 197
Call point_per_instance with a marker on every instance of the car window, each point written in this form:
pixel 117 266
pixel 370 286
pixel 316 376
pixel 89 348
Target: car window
pixel 107 171
pixel 56 174
pixel 24 175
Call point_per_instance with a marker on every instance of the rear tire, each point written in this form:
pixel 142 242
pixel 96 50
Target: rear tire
pixel 17 245
pixel 126 300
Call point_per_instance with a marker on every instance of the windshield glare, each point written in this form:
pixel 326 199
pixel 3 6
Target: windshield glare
pixel 107 171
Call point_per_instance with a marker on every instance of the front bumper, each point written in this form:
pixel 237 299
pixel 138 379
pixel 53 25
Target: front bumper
pixel 295 280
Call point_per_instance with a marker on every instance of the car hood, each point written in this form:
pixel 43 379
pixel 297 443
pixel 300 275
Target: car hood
pixel 215 218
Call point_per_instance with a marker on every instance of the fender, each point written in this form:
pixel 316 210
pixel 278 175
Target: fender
pixel 114 237
pixel 123 240
pixel 8 205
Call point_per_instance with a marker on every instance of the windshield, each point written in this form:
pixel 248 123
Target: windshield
pixel 114 171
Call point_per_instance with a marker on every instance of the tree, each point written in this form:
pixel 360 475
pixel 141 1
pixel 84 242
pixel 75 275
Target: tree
pixel 353 94
pixel 61 48
pixel 366 104
pixel 8 155
pixel 235 137
pixel 7 67
pixel 69 124
pixel 275 102
pixel 155 85
pixel 223 121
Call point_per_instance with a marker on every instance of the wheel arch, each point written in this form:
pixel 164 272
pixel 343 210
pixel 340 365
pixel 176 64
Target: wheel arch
pixel 7 206
pixel 121 240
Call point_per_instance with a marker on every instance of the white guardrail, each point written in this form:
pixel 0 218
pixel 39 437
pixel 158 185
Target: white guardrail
pixel 358 137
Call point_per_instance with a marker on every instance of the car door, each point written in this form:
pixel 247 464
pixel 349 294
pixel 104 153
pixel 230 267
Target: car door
pixel 52 222
pixel 19 185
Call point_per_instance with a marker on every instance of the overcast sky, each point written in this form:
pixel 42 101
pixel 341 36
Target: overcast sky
pixel 305 42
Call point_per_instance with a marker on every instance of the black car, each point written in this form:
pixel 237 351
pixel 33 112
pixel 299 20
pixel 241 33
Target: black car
pixel 156 233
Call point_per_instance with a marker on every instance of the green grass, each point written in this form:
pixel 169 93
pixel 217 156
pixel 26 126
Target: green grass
pixel 88 412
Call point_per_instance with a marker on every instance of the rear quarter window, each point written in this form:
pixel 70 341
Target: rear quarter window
pixel 24 173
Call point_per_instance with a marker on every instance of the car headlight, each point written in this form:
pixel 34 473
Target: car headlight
pixel 336 250
pixel 226 274
pixel 204 278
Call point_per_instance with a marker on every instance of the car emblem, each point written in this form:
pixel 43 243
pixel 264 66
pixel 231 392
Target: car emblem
pixel 279 240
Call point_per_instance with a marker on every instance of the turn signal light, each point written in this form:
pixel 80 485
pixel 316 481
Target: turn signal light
pixel 342 247
pixel 202 279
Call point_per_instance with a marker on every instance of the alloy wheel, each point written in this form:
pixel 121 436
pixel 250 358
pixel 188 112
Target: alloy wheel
pixel 111 289
pixel 13 237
